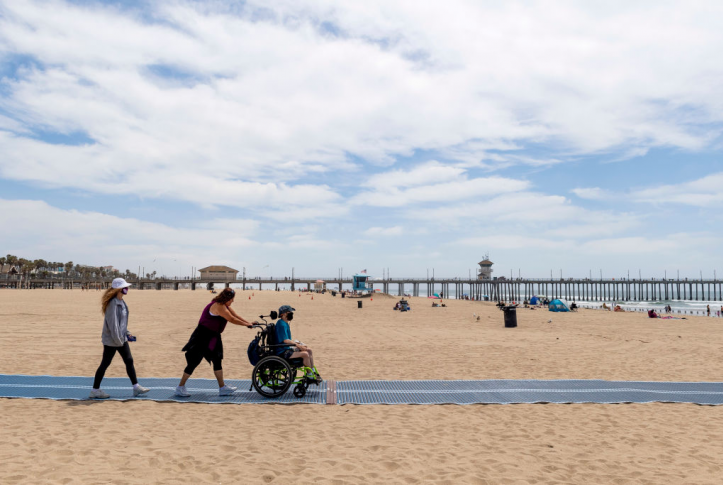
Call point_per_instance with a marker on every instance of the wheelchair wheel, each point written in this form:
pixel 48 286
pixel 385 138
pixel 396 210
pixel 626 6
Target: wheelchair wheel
pixel 272 376
pixel 300 391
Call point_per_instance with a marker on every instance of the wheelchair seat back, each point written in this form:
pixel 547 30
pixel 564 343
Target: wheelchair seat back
pixel 269 336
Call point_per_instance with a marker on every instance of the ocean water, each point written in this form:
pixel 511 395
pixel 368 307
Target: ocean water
pixel 683 307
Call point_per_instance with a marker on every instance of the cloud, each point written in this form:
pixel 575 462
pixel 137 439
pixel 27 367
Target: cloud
pixel 530 208
pixel 37 228
pixel 424 174
pixel 319 112
pixel 633 245
pixel 255 96
pixel 703 192
pixel 592 193
pixel 431 183
pixel 384 231
pixel 512 241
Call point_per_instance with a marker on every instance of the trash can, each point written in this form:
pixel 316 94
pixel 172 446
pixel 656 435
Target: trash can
pixel 358 303
pixel 510 316
pixel 343 295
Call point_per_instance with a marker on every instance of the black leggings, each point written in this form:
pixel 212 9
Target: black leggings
pixel 195 358
pixel 108 353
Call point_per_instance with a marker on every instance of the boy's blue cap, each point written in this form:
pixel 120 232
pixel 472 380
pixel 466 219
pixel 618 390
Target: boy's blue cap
pixel 286 309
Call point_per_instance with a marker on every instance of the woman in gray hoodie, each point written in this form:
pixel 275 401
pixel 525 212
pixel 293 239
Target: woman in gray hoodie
pixel 115 337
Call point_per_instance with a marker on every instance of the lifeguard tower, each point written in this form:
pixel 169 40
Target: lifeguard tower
pixel 485 268
pixel 360 283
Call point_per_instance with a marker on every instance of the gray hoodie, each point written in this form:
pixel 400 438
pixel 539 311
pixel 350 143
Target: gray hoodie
pixel 115 325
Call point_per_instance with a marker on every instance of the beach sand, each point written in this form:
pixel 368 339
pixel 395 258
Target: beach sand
pixel 58 332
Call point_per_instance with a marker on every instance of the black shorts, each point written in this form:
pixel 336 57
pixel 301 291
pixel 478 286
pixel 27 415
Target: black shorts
pixel 287 354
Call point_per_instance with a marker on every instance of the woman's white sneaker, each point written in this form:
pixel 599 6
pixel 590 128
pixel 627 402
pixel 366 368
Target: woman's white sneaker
pixel 226 390
pixel 138 390
pixel 182 392
pixel 98 394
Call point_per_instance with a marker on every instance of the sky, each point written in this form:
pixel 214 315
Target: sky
pixel 561 137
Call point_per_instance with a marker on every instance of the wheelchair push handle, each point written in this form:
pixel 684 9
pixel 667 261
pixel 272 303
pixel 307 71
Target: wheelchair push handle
pixel 273 315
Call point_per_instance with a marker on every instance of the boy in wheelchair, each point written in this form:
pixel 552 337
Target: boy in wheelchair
pixel 293 348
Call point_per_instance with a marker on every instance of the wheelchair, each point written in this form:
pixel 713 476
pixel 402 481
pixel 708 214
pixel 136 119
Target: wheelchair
pixel 273 375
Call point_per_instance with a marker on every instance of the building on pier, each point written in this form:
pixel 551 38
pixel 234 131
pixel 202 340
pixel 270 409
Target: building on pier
pixel 485 269
pixel 223 273
pixel 9 269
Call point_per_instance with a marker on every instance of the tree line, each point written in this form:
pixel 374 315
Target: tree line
pixel 43 269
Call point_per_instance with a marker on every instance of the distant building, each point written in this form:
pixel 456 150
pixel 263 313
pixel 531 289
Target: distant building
pixel 485 269
pixel 9 269
pixel 220 273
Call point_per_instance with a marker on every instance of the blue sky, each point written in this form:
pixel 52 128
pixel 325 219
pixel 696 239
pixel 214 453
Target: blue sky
pixel 321 136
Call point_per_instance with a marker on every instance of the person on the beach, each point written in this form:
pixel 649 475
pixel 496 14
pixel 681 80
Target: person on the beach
pixel 294 349
pixel 115 337
pixel 708 310
pixel 205 341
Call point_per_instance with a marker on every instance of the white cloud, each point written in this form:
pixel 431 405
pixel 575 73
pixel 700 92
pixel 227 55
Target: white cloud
pixel 36 228
pixel 273 99
pixel 601 248
pixel 703 192
pixel 267 111
pixel 512 241
pixel 384 231
pixel 592 193
pixel 527 207
pixel 425 174
pixel 431 182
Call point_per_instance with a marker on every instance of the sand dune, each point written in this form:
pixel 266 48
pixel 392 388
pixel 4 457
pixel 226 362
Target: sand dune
pixel 58 332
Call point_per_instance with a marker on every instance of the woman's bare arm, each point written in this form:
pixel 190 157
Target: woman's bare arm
pixel 231 310
pixel 223 311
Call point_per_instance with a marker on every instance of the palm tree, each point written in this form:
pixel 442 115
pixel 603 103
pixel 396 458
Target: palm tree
pixel 21 264
pixel 40 264
pixel 68 267
pixel 2 260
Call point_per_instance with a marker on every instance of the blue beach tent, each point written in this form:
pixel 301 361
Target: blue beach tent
pixel 534 300
pixel 559 306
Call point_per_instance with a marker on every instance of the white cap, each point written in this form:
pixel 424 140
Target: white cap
pixel 119 283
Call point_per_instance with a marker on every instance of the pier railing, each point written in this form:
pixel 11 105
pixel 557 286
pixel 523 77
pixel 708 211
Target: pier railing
pixel 618 290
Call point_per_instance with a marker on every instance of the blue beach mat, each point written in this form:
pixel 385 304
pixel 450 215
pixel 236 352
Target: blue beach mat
pixel 378 392
pixel 161 389
pixel 526 391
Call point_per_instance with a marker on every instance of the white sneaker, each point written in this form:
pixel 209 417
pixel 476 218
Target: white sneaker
pixel 98 394
pixel 182 392
pixel 226 390
pixel 138 390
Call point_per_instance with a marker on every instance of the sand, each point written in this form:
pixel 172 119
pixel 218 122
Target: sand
pixel 58 332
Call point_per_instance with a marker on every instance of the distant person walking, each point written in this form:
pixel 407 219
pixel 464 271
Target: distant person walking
pixel 708 309
pixel 115 337
pixel 205 341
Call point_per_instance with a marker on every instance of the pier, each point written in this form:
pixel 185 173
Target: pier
pixel 492 290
